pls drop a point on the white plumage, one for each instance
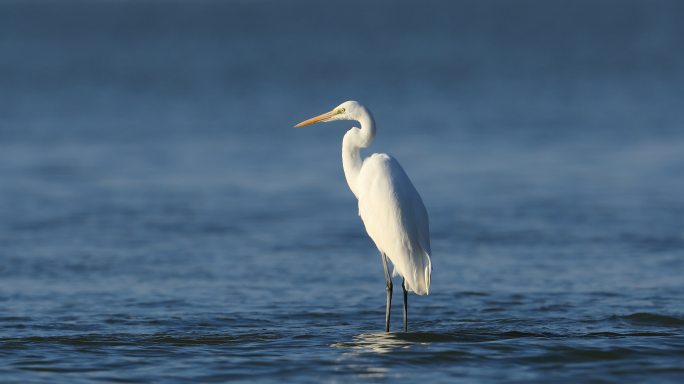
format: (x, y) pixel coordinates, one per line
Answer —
(396, 219)
(389, 205)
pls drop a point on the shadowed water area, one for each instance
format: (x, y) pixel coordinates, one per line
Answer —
(161, 221)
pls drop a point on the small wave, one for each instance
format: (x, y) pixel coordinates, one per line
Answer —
(629, 334)
(566, 354)
(137, 340)
(14, 318)
(53, 369)
(653, 319)
(384, 342)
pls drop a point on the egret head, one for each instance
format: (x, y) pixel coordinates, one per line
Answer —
(349, 110)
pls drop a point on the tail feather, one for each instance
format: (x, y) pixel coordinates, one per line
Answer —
(419, 281)
(417, 276)
(428, 274)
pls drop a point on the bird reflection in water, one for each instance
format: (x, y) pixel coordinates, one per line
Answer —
(381, 342)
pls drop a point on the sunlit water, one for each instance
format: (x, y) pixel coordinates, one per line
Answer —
(161, 221)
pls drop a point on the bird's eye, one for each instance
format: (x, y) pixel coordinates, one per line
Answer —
(341, 110)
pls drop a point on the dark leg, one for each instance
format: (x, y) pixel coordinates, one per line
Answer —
(403, 287)
(388, 280)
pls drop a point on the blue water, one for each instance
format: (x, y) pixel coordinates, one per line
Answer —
(160, 220)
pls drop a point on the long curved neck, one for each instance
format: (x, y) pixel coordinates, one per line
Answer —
(353, 141)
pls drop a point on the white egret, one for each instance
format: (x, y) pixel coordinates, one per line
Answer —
(389, 205)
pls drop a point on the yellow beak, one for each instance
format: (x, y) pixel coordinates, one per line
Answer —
(317, 119)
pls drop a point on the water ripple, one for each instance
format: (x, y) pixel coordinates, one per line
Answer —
(652, 319)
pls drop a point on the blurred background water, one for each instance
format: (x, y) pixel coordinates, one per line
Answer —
(160, 220)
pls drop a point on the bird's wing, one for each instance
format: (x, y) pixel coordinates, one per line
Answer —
(396, 219)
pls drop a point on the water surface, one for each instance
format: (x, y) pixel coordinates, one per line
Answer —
(160, 221)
